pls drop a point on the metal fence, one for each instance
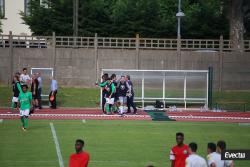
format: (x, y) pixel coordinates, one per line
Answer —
(19, 41)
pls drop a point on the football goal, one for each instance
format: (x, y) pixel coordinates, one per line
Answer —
(46, 74)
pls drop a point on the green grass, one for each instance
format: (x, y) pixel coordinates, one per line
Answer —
(111, 143)
(89, 97)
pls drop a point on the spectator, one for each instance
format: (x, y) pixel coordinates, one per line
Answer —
(80, 158)
(15, 92)
(34, 90)
(179, 153)
(53, 92)
(221, 146)
(39, 78)
(213, 158)
(24, 77)
(130, 95)
(194, 160)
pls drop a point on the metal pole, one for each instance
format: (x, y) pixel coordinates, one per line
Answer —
(101, 91)
(142, 92)
(210, 87)
(163, 89)
(75, 17)
(179, 28)
(179, 21)
(179, 6)
(11, 56)
(185, 90)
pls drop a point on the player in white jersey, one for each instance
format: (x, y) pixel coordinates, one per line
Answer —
(193, 159)
(221, 146)
(214, 158)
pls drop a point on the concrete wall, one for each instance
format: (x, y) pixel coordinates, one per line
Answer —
(80, 67)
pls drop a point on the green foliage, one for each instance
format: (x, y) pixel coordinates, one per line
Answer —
(57, 17)
(149, 18)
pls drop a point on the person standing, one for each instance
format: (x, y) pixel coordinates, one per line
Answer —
(213, 158)
(122, 91)
(80, 158)
(53, 92)
(110, 96)
(221, 146)
(104, 92)
(25, 102)
(39, 78)
(34, 91)
(115, 106)
(24, 77)
(193, 159)
(179, 152)
(14, 103)
(130, 95)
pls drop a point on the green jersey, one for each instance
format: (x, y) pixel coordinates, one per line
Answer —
(24, 98)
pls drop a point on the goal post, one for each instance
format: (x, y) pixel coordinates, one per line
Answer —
(46, 74)
(182, 87)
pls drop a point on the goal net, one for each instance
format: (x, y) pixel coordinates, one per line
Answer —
(171, 87)
(46, 74)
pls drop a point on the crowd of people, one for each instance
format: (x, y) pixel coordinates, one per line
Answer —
(117, 94)
(28, 101)
(183, 155)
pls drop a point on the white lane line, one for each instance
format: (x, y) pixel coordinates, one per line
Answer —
(132, 116)
(209, 117)
(58, 151)
(78, 115)
(244, 124)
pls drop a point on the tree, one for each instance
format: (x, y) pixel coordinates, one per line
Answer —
(149, 18)
(239, 11)
(57, 17)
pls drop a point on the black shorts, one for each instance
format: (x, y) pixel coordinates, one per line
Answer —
(35, 96)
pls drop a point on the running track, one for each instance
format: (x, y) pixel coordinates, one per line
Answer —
(96, 114)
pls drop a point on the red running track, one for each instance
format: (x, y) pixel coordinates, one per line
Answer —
(96, 114)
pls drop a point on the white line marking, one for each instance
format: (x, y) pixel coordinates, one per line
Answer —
(83, 121)
(132, 116)
(78, 115)
(244, 124)
(58, 151)
(1, 120)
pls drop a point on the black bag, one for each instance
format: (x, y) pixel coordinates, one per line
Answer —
(159, 104)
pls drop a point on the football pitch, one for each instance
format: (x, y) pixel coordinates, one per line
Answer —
(111, 143)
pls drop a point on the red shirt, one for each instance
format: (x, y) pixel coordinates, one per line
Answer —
(179, 155)
(79, 160)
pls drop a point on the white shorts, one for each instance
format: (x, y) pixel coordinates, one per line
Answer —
(110, 100)
(25, 112)
(123, 100)
(14, 99)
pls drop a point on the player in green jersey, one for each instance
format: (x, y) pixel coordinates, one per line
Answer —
(25, 102)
